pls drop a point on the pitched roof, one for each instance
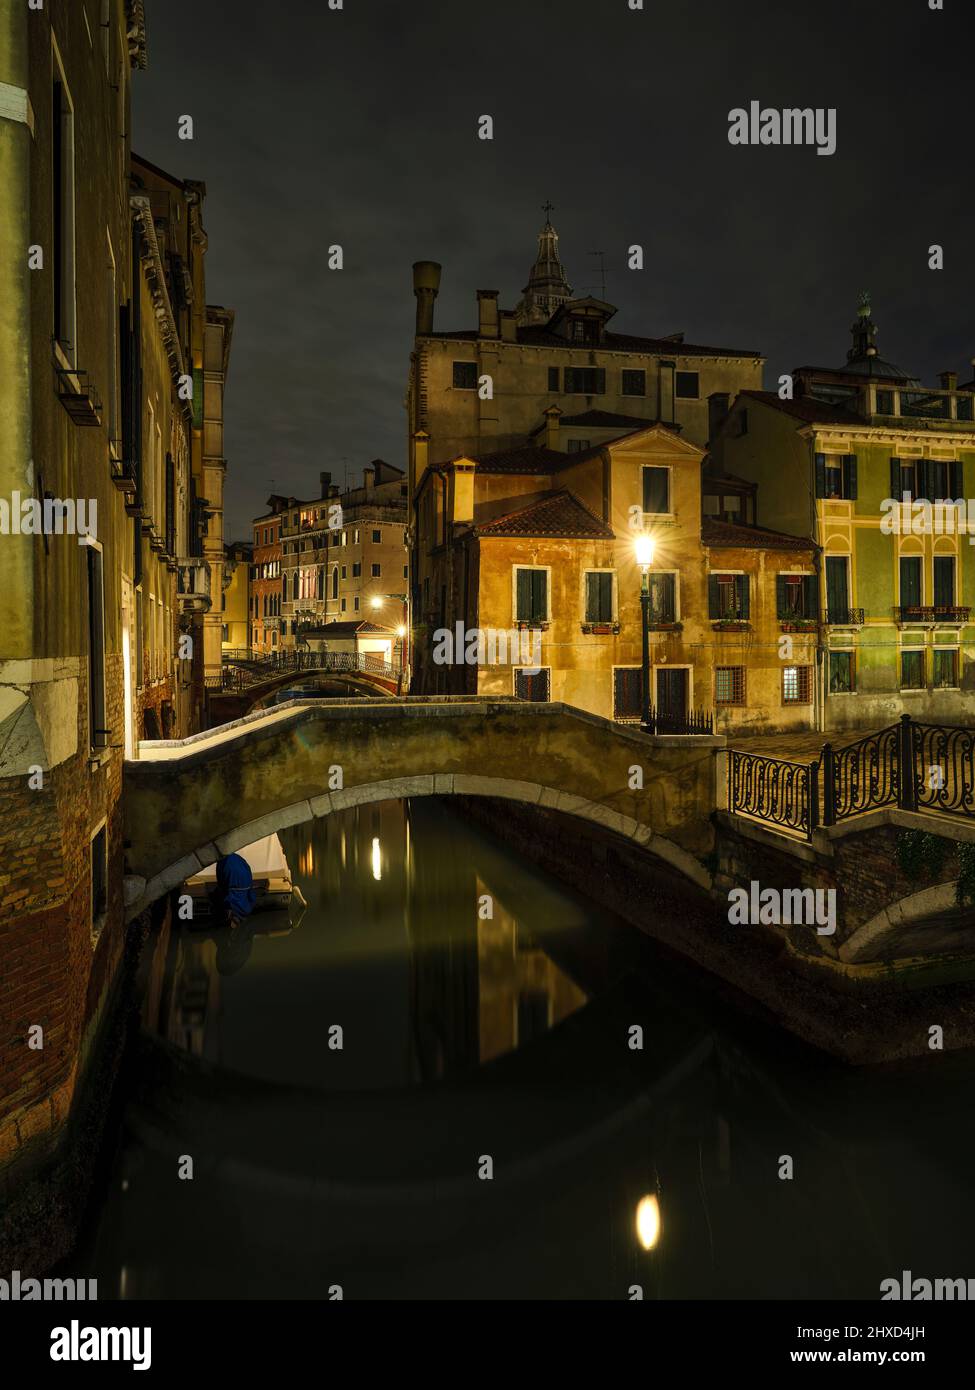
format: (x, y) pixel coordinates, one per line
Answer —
(807, 408)
(732, 535)
(606, 419)
(556, 514)
(350, 628)
(527, 459)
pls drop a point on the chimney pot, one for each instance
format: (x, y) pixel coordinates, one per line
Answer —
(949, 381)
(426, 287)
(488, 325)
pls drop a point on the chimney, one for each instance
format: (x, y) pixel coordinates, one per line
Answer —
(949, 381)
(487, 314)
(552, 417)
(717, 412)
(368, 474)
(426, 286)
(509, 326)
(421, 445)
(325, 480)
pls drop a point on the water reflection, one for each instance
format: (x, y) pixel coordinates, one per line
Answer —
(485, 1012)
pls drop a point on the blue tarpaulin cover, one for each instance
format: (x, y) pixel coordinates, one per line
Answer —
(236, 885)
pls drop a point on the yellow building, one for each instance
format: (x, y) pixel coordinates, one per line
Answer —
(234, 597)
(528, 584)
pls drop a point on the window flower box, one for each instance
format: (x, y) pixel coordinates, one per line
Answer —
(731, 625)
(531, 626)
(798, 624)
(671, 626)
(601, 629)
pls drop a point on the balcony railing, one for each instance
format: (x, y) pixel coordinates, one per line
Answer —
(931, 615)
(844, 617)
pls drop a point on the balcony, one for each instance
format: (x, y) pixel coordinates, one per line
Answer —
(918, 615)
(77, 394)
(193, 585)
(123, 476)
(844, 617)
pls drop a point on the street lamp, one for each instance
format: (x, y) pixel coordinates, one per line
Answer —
(402, 631)
(643, 548)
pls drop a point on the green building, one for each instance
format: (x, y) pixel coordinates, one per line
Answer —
(877, 470)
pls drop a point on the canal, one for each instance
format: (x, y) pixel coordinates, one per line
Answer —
(449, 1077)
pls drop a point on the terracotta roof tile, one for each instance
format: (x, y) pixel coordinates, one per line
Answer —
(806, 408)
(730, 534)
(556, 514)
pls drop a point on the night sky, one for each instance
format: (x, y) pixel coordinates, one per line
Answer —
(358, 127)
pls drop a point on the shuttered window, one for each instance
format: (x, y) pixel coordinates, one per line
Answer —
(531, 596)
(627, 692)
(728, 597)
(599, 596)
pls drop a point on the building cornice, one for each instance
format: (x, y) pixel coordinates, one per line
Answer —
(880, 434)
(162, 306)
(135, 27)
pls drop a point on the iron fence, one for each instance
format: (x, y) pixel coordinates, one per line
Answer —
(683, 722)
(781, 793)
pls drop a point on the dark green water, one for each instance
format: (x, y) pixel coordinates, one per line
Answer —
(486, 1018)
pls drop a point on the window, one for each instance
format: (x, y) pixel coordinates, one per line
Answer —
(945, 668)
(98, 734)
(531, 595)
(465, 376)
(728, 597)
(553, 378)
(406, 571)
(910, 575)
(533, 685)
(294, 585)
(885, 402)
(578, 446)
(729, 685)
(345, 571)
(841, 673)
(797, 685)
(627, 693)
(656, 491)
(343, 605)
(111, 366)
(585, 381)
(944, 581)
(377, 571)
(634, 383)
(935, 480)
(63, 184)
(836, 476)
(837, 589)
(663, 598)
(584, 330)
(356, 570)
(686, 386)
(795, 597)
(335, 582)
(99, 877)
(912, 670)
(599, 596)
(355, 603)
(377, 537)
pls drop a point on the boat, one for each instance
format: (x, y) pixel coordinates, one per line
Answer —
(274, 888)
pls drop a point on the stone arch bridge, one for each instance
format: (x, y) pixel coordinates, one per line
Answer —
(191, 801)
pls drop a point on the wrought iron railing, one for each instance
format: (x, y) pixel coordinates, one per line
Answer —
(774, 790)
(913, 766)
(844, 617)
(862, 776)
(686, 722)
(928, 613)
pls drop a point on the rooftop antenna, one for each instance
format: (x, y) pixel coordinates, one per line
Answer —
(602, 269)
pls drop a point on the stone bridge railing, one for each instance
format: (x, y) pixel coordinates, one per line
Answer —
(189, 802)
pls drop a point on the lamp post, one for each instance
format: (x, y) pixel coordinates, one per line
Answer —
(643, 548)
(402, 632)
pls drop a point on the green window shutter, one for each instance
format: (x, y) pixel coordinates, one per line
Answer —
(820, 475)
(605, 608)
(956, 472)
(741, 584)
(780, 600)
(895, 479)
(810, 595)
(713, 611)
(924, 480)
(850, 477)
(539, 608)
(523, 596)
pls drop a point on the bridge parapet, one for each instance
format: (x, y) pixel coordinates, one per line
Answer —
(193, 800)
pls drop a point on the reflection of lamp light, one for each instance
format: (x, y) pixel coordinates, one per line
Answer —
(377, 859)
(648, 1222)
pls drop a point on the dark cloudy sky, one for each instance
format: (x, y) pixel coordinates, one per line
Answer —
(358, 127)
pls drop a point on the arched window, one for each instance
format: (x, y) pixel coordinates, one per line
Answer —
(335, 582)
(294, 585)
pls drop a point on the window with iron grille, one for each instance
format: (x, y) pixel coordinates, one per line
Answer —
(465, 376)
(599, 596)
(797, 685)
(627, 692)
(533, 685)
(729, 685)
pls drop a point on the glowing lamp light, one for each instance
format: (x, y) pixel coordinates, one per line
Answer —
(401, 631)
(377, 860)
(648, 1222)
(643, 546)
(376, 602)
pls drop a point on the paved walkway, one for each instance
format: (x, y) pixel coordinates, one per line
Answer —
(799, 747)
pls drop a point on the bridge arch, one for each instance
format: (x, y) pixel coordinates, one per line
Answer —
(195, 800)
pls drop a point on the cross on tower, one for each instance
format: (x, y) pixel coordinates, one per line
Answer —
(548, 208)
